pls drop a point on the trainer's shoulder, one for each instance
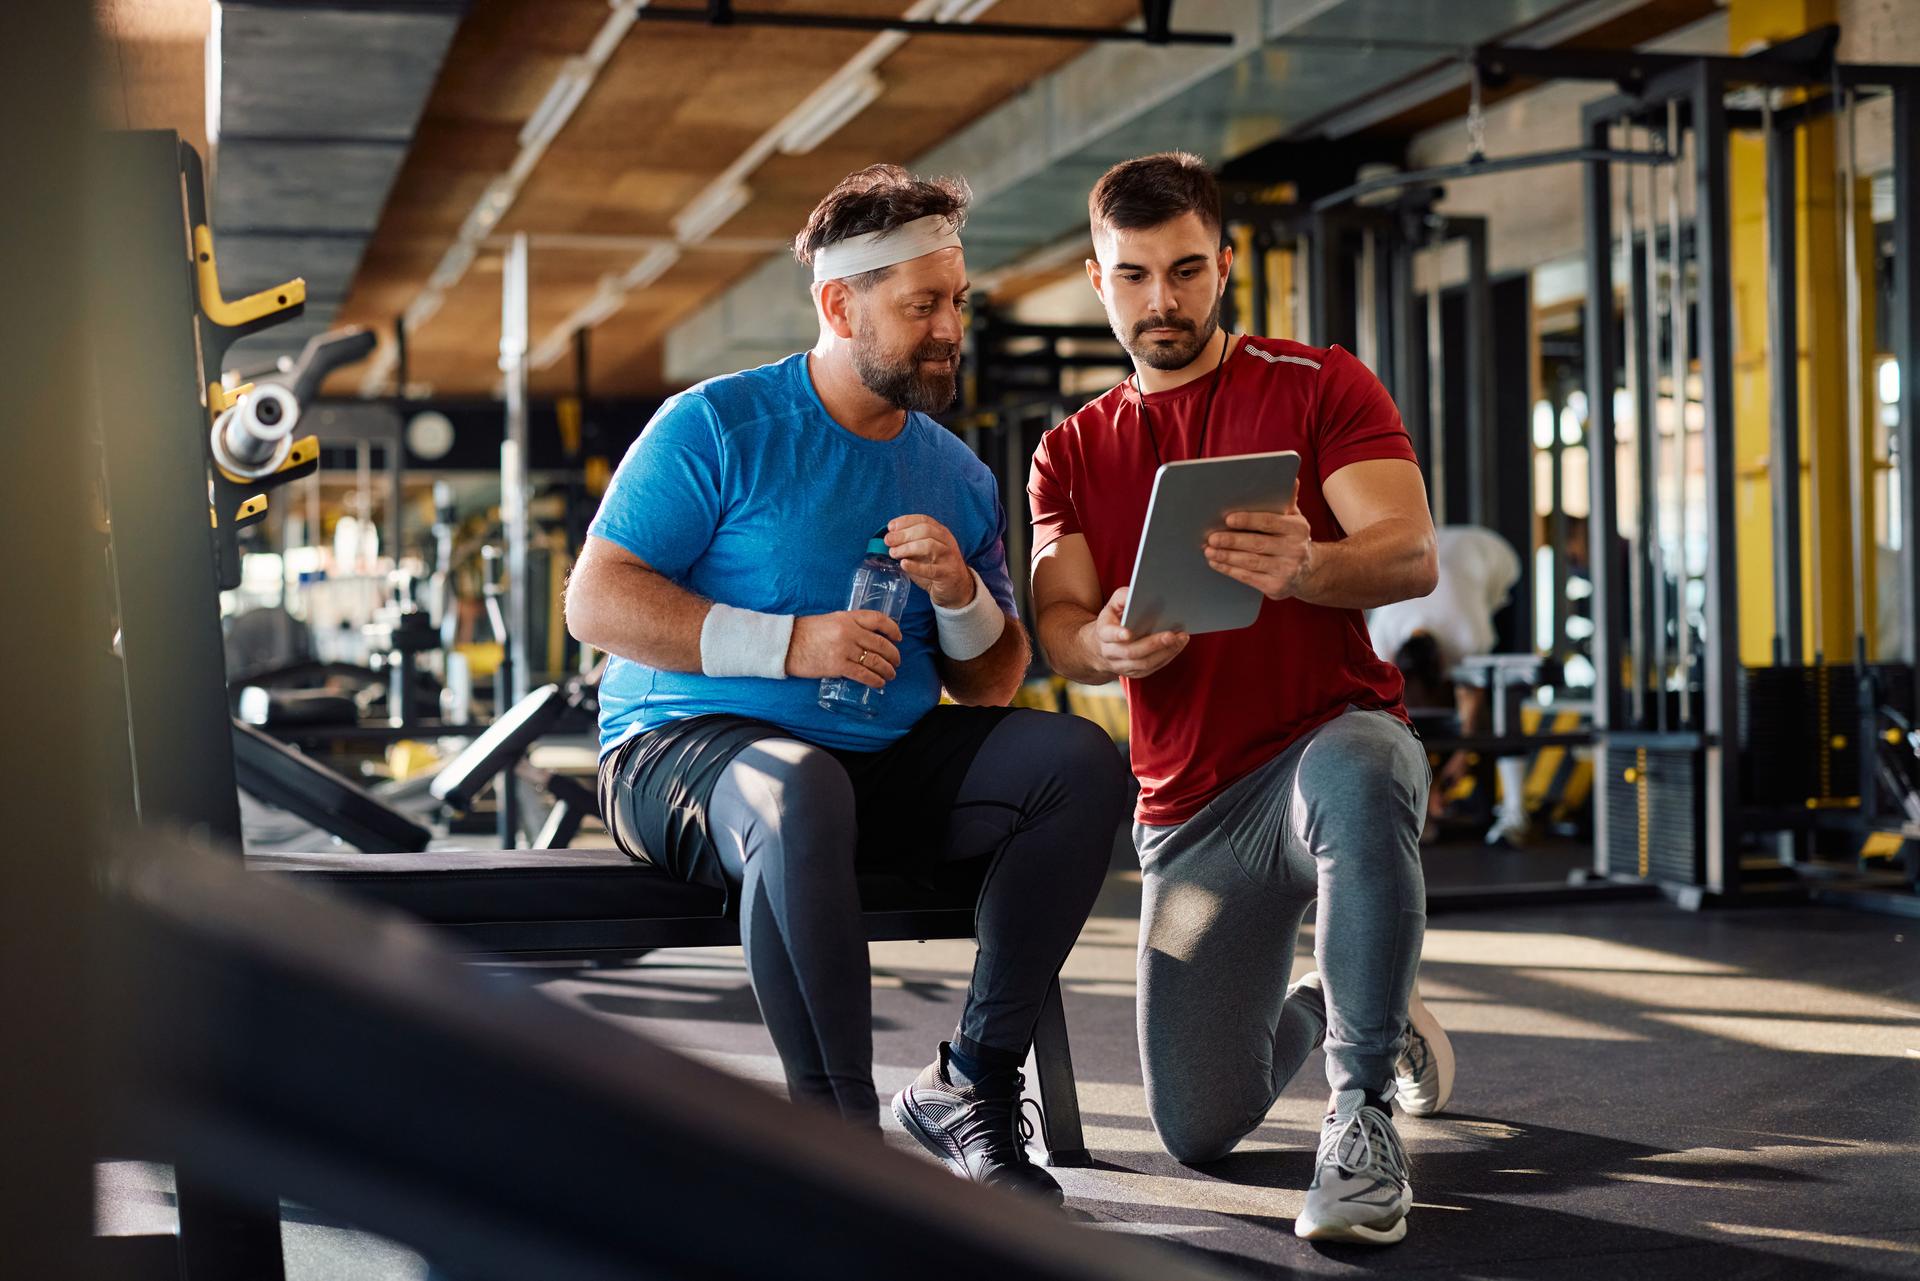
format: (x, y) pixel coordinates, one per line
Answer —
(1287, 358)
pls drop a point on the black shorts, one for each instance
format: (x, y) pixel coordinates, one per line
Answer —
(655, 788)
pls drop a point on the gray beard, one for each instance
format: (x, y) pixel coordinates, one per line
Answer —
(906, 386)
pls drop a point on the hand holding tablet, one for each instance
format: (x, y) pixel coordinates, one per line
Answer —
(1199, 571)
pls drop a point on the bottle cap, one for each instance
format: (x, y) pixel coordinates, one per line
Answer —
(877, 545)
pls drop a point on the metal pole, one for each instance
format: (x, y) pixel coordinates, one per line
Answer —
(1905, 327)
(1384, 343)
(1483, 496)
(1857, 475)
(402, 371)
(1635, 380)
(1303, 288)
(1366, 321)
(1783, 342)
(513, 463)
(396, 449)
(1720, 769)
(1603, 525)
(1410, 365)
(362, 499)
(1677, 281)
(1436, 382)
(1557, 522)
(1650, 479)
(1262, 279)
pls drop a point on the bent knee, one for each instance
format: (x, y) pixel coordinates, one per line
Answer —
(1192, 1139)
(1079, 753)
(1368, 758)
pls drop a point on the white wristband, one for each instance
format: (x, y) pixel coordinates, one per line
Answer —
(740, 642)
(972, 629)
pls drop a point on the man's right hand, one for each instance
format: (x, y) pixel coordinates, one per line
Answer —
(858, 644)
(1120, 652)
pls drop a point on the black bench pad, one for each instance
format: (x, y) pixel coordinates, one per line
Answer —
(561, 896)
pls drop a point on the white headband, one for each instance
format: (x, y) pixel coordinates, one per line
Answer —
(877, 249)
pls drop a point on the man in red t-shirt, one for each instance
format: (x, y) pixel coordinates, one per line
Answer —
(1276, 764)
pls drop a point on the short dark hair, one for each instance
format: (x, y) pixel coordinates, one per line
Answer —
(1151, 190)
(878, 198)
(1419, 661)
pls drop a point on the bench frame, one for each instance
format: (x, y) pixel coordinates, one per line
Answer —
(608, 938)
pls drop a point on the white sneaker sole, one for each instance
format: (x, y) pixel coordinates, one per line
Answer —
(1440, 1048)
(1358, 1233)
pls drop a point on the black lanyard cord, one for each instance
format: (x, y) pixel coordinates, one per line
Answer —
(1206, 412)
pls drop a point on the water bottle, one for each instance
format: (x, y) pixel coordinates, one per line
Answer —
(878, 584)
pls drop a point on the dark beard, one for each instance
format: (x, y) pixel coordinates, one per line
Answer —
(1168, 354)
(909, 384)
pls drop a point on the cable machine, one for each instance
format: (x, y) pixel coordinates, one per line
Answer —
(1705, 763)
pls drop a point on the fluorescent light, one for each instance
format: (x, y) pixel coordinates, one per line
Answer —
(214, 24)
(964, 10)
(653, 265)
(422, 309)
(563, 95)
(613, 29)
(710, 211)
(827, 112)
(453, 265)
(603, 306)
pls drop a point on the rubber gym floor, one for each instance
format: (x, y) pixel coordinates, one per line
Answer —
(1643, 1092)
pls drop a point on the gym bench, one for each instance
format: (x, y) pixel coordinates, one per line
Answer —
(589, 903)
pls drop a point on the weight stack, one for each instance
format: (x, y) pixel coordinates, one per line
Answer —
(1654, 799)
(1800, 732)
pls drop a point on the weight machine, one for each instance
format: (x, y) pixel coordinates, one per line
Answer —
(1705, 763)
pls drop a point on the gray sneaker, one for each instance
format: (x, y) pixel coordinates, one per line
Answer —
(1423, 1076)
(1360, 1190)
(979, 1131)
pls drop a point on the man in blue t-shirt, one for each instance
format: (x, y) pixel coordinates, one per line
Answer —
(717, 575)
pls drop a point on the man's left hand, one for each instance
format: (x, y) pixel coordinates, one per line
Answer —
(930, 556)
(1270, 551)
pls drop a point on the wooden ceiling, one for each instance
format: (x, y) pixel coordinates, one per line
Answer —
(675, 105)
(149, 67)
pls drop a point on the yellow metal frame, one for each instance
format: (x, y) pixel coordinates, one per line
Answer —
(240, 311)
(220, 400)
(1827, 488)
(304, 453)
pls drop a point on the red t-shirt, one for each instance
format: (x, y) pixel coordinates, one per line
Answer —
(1232, 700)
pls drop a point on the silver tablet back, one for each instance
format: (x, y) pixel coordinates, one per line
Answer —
(1173, 586)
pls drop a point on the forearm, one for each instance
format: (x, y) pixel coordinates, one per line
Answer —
(638, 615)
(1066, 638)
(992, 678)
(1389, 560)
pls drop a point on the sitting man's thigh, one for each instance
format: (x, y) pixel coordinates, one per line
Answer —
(784, 785)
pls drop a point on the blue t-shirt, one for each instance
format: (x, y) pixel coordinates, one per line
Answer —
(743, 490)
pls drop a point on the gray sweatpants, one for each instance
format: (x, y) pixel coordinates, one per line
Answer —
(1334, 819)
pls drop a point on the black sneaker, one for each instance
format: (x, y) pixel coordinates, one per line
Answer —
(978, 1129)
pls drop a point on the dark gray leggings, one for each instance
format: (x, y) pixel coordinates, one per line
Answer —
(1042, 799)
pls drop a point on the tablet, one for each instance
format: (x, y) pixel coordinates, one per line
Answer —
(1173, 587)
